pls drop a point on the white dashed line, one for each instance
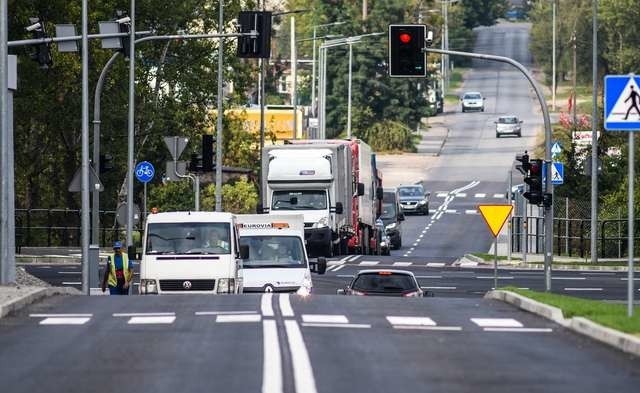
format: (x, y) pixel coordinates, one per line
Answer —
(520, 330)
(204, 313)
(64, 321)
(491, 277)
(442, 195)
(60, 315)
(271, 363)
(324, 318)
(71, 283)
(480, 195)
(569, 278)
(369, 263)
(265, 305)
(439, 287)
(238, 318)
(411, 321)
(499, 195)
(339, 267)
(435, 264)
(151, 320)
(461, 195)
(471, 212)
(143, 314)
(337, 325)
(441, 328)
(428, 276)
(496, 322)
(402, 263)
(285, 305)
(583, 289)
(450, 211)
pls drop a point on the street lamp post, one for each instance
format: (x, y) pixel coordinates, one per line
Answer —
(313, 70)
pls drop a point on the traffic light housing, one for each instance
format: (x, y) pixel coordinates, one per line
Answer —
(533, 179)
(195, 164)
(125, 42)
(207, 153)
(42, 53)
(406, 55)
(255, 47)
(524, 165)
(106, 163)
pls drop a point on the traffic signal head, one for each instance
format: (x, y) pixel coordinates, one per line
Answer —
(406, 56)
(524, 165)
(255, 47)
(42, 53)
(124, 24)
(195, 164)
(207, 153)
(106, 163)
(534, 179)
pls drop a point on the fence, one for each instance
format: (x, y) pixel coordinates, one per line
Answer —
(59, 228)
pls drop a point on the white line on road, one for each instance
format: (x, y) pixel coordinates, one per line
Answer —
(143, 314)
(324, 318)
(411, 321)
(598, 274)
(428, 276)
(302, 371)
(435, 264)
(285, 305)
(569, 278)
(520, 330)
(461, 195)
(151, 320)
(480, 195)
(442, 194)
(204, 313)
(499, 195)
(439, 287)
(339, 267)
(450, 211)
(238, 318)
(444, 328)
(415, 244)
(354, 258)
(402, 263)
(369, 263)
(583, 289)
(345, 275)
(69, 272)
(71, 283)
(491, 277)
(496, 322)
(626, 279)
(471, 211)
(338, 325)
(64, 321)
(271, 359)
(265, 305)
(60, 315)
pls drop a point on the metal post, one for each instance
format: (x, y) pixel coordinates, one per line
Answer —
(313, 75)
(566, 228)
(220, 112)
(574, 108)
(10, 254)
(8, 269)
(446, 45)
(631, 222)
(594, 140)
(196, 191)
(85, 219)
(509, 225)
(495, 263)
(525, 230)
(349, 92)
(144, 203)
(553, 56)
(95, 206)
(294, 77)
(131, 128)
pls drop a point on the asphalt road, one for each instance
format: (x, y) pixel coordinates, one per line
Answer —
(281, 343)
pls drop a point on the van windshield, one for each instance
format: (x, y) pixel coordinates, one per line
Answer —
(274, 252)
(299, 200)
(188, 238)
(388, 210)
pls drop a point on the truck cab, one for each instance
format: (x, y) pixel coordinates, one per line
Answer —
(191, 252)
(276, 260)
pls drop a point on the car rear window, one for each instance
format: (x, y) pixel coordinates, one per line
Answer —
(383, 282)
(472, 96)
(508, 120)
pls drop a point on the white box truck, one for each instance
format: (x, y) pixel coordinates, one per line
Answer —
(191, 252)
(276, 260)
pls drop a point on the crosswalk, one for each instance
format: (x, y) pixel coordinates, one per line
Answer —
(479, 195)
(334, 266)
(341, 321)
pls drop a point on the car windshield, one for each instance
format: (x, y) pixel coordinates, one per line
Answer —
(383, 282)
(410, 192)
(188, 238)
(274, 252)
(388, 210)
(299, 200)
(508, 120)
(473, 96)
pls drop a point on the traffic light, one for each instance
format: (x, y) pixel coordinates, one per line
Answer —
(124, 24)
(42, 53)
(406, 56)
(207, 153)
(534, 179)
(195, 164)
(106, 163)
(525, 165)
(255, 47)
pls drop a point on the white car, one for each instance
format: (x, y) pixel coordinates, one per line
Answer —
(508, 125)
(472, 101)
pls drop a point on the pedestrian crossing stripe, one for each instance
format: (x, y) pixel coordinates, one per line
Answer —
(621, 102)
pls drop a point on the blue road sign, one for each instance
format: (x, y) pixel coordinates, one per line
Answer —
(557, 173)
(145, 171)
(556, 149)
(621, 103)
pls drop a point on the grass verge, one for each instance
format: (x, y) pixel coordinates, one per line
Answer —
(604, 313)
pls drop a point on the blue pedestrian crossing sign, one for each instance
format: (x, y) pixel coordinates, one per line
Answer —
(557, 173)
(621, 103)
(144, 171)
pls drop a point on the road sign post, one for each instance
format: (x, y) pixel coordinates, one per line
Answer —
(495, 216)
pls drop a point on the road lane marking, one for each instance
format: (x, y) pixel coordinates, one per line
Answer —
(435, 264)
(324, 318)
(345, 275)
(353, 258)
(480, 195)
(271, 358)
(442, 194)
(491, 277)
(60, 315)
(337, 325)
(415, 244)
(499, 195)
(439, 287)
(302, 372)
(520, 330)
(428, 276)
(473, 211)
(568, 278)
(402, 263)
(265, 305)
(598, 274)
(443, 328)
(583, 289)
(411, 321)
(450, 211)
(339, 267)
(143, 314)
(226, 318)
(496, 322)
(285, 305)
(627, 279)
(461, 195)
(369, 263)
(64, 321)
(69, 272)
(151, 320)
(204, 313)
(71, 283)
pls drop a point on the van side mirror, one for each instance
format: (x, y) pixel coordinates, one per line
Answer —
(319, 266)
(339, 208)
(400, 216)
(360, 189)
(379, 193)
(131, 253)
(244, 251)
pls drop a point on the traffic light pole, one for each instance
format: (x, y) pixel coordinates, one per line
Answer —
(548, 212)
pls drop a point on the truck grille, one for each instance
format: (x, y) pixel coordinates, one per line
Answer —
(187, 285)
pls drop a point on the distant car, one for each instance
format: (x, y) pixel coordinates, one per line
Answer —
(508, 125)
(472, 101)
(414, 199)
(378, 282)
(392, 217)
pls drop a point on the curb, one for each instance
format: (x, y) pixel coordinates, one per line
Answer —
(622, 341)
(33, 295)
(443, 142)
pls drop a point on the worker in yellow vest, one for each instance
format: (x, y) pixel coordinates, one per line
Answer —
(118, 273)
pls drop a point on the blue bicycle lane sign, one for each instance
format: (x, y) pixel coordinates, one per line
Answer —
(144, 171)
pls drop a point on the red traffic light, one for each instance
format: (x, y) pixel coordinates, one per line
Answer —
(405, 38)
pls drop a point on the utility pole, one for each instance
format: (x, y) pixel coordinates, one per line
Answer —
(85, 219)
(553, 55)
(594, 140)
(220, 112)
(294, 77)
(575, 81)
(131, 128)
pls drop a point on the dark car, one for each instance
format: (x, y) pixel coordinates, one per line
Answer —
(376, 282)
(414, 199)
(392, 217)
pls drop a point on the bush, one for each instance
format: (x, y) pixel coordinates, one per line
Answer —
(388, 136)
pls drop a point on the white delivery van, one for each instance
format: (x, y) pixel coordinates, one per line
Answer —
(191, 252)
(277, 260)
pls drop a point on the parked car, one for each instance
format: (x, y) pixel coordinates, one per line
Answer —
(376, 282)
(508, 125)
(413, 199)
(472, 101)
(392, 217)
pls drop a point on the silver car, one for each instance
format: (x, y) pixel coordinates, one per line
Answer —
(472, 101)
(508, 125)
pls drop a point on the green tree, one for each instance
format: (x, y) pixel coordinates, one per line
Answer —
(483, 12)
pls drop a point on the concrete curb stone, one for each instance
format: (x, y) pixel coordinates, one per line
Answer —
(622, 341)
(25, 296)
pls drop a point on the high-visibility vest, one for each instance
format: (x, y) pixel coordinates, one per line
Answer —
(113, 280)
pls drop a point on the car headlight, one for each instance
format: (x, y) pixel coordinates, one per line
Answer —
(226, 285)
(422, 202)
(305, 288)
(148, 287)
(322, 223)
(393, 225)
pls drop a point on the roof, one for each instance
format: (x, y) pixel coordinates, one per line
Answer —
(395, 271)
(189, 216)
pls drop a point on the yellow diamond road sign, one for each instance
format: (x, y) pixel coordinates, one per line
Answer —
(495, 216)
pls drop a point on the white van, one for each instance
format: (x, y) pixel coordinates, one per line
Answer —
(191, 252)
(277, 260)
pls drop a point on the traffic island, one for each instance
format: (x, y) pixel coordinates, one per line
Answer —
(601, 321)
